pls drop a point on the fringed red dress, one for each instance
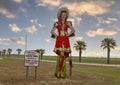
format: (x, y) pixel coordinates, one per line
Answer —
(62, 40)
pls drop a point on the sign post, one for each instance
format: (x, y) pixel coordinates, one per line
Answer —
(31, 60)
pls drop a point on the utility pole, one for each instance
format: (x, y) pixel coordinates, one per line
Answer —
(26, 42)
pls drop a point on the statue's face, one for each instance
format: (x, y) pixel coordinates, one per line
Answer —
(63, 15)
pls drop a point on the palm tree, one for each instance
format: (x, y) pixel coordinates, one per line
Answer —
(3, 51)
(19, 51)
(0, 52)
(80, 45)
(108, 43)
(9, 51)
(41, 52)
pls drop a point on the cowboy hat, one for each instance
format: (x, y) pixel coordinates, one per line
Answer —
(63, 9)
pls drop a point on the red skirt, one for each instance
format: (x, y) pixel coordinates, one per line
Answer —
(62, 44)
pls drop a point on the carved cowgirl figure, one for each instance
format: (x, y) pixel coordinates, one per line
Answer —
(62, 45)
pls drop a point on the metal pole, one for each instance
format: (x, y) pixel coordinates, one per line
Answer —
(35, 72)
(26, 42)
(27, 70)
(70, 64)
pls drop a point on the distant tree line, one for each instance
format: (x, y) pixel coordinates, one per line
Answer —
(8, 52)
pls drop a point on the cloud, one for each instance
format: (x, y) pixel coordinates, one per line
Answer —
(20, 40)
(92, 8)
(48, 40)
(6, 11)
(78, 38)
(117, 48)
(100, 31)
(4, 39)
(17, 1)
(41, 26)
(24, 10)
(96, 53)
(78, 20)
(75, 20)
(72, 20)
(109, 20)
(14, 28)
(32, 29)
(35, 21)
(113, 19)
(51, 3)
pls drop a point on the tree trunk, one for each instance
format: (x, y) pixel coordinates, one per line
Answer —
(108, 56)
(80, 52)
(9, 53)
(41, 56)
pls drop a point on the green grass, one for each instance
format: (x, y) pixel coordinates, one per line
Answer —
(76, 59)
(87, 59)
(108, 72)
(115, 72)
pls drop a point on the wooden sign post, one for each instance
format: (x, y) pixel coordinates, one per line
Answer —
(31, 60)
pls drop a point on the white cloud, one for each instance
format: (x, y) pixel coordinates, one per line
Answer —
(75, 20)
(41, 26)
(72, 20)
(113, 19)
(35, 21)
(32, 29)
(91, 7)
(48, 40)
(17, 1)
(96, 53)
(4, 39)
(100, 31)
(6, 11)
(117, 48)
(78, 20)
(23, 9)
(14, 28)
(51, 3)
(109, 20)
(20, 41)
(91, 33)
(78, 38)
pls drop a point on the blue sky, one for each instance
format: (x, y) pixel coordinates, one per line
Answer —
(93, 21)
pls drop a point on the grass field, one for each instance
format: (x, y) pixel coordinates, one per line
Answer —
(76, 59)
(87, 59)
(13, 72)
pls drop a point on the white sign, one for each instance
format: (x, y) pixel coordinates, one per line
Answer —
(31, 58)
